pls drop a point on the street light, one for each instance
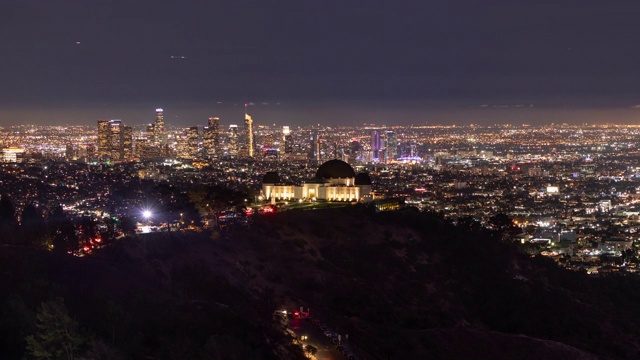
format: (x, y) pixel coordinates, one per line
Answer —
(146, 214)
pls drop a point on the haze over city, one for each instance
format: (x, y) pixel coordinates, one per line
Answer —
(328, 62)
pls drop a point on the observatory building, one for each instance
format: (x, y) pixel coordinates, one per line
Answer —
(335, 180)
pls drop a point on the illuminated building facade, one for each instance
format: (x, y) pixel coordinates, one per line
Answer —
(286, 147)
(12, 155)
(115, 140)
(192, 143)
(103, 137)
(391, 145)
(211, 138)
(232, 149)
(127, 142)
(150, 134)
(377, 146)
(247, 148)
(159, 133)
(314, 152)
(335, 180)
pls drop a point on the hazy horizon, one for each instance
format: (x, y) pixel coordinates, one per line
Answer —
(355, 114)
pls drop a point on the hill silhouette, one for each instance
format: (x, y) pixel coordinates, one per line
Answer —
(403, 285)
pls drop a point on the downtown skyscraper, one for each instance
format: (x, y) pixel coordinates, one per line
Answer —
(211, 138)
(192, 143)
(391, 145)
(377, 146)
(286, 145)
(232, 146)
(159, 132)
(156, 144)
(115, 140)
(247, 146)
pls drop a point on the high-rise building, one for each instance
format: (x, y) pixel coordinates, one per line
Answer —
(91, 151)
(377, 146)
(139, 146)
(192, 142)
(314, 150)
(286, 147)
(211, 138)
(150, 134)
(268, 142)
(159, 133)
(182, 147)
(103, 137)
(12, 154)
(232, 149)
(392, 145)
(127, 143)
(408, 149)
(208, 149)
(70, 152)
(147, 151)
(116, 152)
(115, 140)
(247, 149)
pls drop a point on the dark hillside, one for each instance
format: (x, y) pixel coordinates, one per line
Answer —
(403, 285)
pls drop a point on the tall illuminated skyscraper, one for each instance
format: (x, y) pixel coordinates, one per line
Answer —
(103, 138)
(247, 149)
(314, 150)
(286, 146)
(211, 138)
(150, 134)
(391, 145)
(192, 142)
(115, 140)
(377, 146)
(127, 143)
(159, 133)
(70, 152)
(233, 140)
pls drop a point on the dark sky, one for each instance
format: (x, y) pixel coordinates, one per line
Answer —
(320, 61)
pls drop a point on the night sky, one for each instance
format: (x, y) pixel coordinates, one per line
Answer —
(320, 61)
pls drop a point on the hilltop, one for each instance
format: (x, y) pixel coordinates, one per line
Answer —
(403, 285)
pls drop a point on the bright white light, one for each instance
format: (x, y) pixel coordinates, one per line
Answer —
(146, 214)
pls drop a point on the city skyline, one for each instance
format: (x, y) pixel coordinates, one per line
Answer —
(402, 62)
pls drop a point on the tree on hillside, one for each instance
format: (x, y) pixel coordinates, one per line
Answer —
(504, 225)
(7, 209)
(212, 200)
(57, 335)
(108, 235)
(63, 232)
(7, 219)
(470, 223)
(127, 225)
(32, 225)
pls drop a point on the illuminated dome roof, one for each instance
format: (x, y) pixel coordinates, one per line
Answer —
(271, 177)
(363, 179)
(334, 169)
